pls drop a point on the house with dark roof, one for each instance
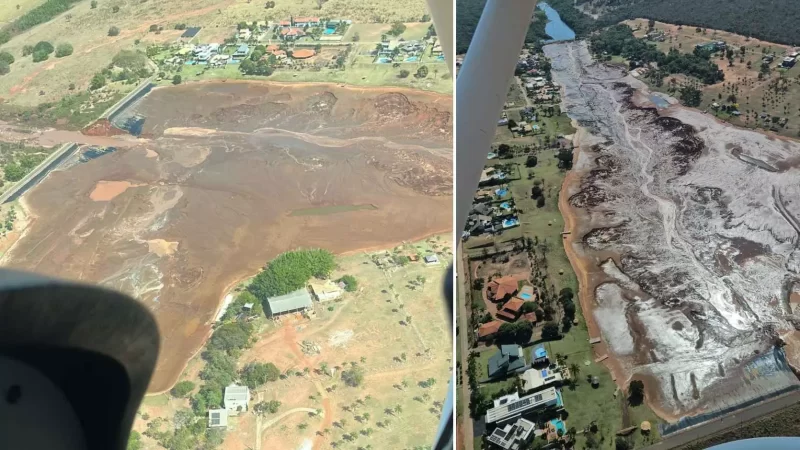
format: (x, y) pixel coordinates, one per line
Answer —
(242, 51)
(501, 289)
(190, 33)
(509, 360)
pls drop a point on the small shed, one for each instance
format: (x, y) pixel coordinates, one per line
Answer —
(236, 399)
(431, 260)
(291, 302)
(217, 418)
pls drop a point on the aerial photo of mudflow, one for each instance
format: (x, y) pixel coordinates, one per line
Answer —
(273, 181)
(682, 231)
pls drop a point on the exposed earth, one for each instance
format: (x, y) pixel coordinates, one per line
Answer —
(203, 198)
(686, 234)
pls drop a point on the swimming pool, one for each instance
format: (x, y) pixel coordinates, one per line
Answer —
(508, 223)
(559, 425)
(412, 59)
(505, 205)
(525, 296)
(501, 192)
(440, 58)
(329, 31)
(383, 60)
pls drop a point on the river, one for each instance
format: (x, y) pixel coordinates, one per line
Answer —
(556, 28)
(687, 245)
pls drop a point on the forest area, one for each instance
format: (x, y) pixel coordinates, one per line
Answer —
(36, 16)
(468, 13)
(773, 21)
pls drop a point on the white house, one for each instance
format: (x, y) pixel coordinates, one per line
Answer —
(236, 399)
(245, 34)
(217, 418)
(431, 260)
(326, 291)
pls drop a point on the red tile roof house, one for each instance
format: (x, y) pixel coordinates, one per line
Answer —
(511, 310)
(501, 289)
(487, 330)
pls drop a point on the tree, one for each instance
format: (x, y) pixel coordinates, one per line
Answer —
(404, 73)
(206, 398)
(350, 283)
(621, 444)
(4, 68)
(257, 374)
(93, 4)
(115, 9)
(356, 37)
(574, 370)
(531, 161)
(182, 389)
(550, 331)
(397, 29)
(43, 46)
(231, 337)
(63, 50)
(291, 271)
(113, 31)
(134, 441)
(27, 50)
(422, 72)
(177, 79)
(636, 392)
(354, 376)
(40, 56)
(691, 96)
(536, 191)
(540, 202)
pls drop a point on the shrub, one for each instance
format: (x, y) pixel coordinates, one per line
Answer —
(531, 161)
(113, 31)
(397, 29)
(404, 73)
(182, 389)
(7, 58)
(540, 202)
(115, 9)
(177, 79)
(350, 283)
(4, 68)
(27, 50)
(93, 5)
(422, 72)
(180, 26)
(98, 81)
(40, 56)
(153, 28)
(63, 50)
(256, 374)
(353, 377)
(43, 46)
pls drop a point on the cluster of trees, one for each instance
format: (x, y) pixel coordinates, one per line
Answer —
(41, 14)
(291, 271)
(261, 67)
(565, 156)
(236, 307)
(774, 21)
(691, 96)
(397, 29)
(537, 193)
(619, 40)
(468, 12)
(15, 170)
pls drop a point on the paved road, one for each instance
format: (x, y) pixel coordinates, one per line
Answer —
(463, 342)
(730, 421)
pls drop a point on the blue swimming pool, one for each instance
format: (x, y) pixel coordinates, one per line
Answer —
(505, 205)
(412, 59)
(501, 192)
(440, 58)
(508, 223)
(329, 31)
(525, 296)
(384, 60)
(559, 425)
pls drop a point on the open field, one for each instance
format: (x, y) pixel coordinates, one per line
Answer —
(203, 199)
(14, 9)
(364, 327)
(777, 94)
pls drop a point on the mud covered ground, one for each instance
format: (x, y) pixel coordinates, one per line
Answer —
(689, 230)
(203, 199)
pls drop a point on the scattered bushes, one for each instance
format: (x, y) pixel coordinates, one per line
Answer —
(43, 46)
(97, 82)
(4, 68)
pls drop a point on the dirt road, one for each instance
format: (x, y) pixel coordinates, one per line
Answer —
(465, 431)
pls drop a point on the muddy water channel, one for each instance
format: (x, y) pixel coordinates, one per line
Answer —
(689, 243)
(205, 196)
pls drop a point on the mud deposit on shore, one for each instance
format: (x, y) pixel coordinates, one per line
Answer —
(214, 205)
(689, 237)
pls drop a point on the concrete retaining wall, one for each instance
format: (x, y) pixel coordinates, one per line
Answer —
(37, 174)
(136, 94)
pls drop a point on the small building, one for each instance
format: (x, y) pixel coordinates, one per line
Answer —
(535, 379)
(292, 33)
(218, 418)
(489, 329)
(245, 34)
(788, 62)
(431, 260)
(325, 291)
(236, 399)
(509, 360)
(303, 53)
(296, 301)
(248, 306)
(501, 289)
(530, 405)
(242, 51)
(514, 436)
(306, 21)
(540, 355)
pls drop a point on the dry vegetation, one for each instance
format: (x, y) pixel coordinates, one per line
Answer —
(393, 327)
